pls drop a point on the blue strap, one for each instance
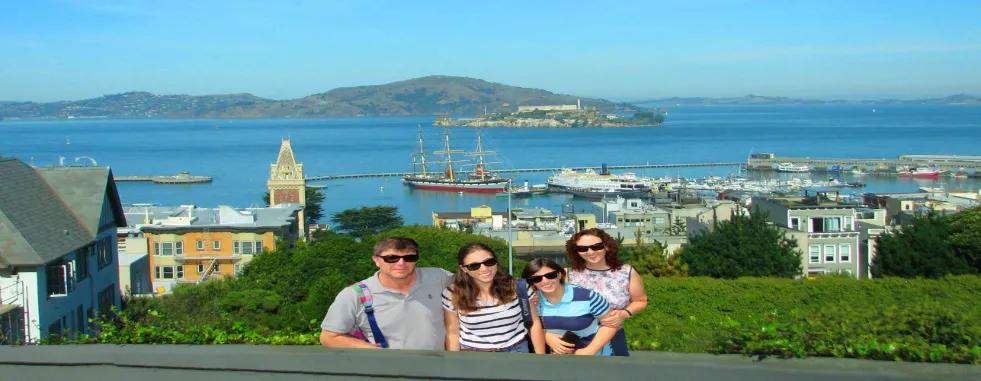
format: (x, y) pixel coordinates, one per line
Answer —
(365, 296)
(524, 303)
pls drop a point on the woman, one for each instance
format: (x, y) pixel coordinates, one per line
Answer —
(596, 266)
(481, 307)
(569, 311)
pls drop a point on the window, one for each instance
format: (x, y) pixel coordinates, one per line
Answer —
(164, 272)
(82, 262)
(180, 272)
(69, 276)
(795, 223)
(200, 245)
(829, 253)
(166, 248)
(848, 224)
(259, 248)
(105, 252)
(55, 328)
(107, 300)
(659, 220)
(200, 268)
(179, 248)
(237, 269)
(216, 244)
(56, 278)
(844, 253)
(217, 268)
(814, 252)
(246, 247)
(236, 247)
(825, 224)
(156, 248)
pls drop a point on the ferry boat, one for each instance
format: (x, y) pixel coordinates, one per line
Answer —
(789, 167)
(592, 184)
(478, 180)
(920, 173)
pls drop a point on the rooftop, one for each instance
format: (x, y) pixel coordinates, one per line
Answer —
(143, 217)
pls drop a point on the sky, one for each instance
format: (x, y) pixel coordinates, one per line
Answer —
(621, 50)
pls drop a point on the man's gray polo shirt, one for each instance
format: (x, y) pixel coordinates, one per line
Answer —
(408, 321)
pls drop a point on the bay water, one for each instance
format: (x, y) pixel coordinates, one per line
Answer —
(237, 153)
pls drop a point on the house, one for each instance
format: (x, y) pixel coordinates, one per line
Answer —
(189, 244)
(824, 229)
(58, 253)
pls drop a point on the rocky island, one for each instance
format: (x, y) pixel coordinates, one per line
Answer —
(554, 116)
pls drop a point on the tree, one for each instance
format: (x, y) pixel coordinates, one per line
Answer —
(366, 221)
(678, 227)
(314, 208)
(651, 259)
(922, 247)
(965, 236)
(743, 246)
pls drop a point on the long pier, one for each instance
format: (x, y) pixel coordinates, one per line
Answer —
(969, 166)
(526, 170)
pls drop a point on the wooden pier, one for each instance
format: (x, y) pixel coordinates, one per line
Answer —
(525, 170)
(180, 178)
(965, 165)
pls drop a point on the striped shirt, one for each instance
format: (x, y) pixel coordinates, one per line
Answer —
(577, 312)
(491, 326)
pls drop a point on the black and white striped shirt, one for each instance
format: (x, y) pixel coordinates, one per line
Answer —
(491, 326)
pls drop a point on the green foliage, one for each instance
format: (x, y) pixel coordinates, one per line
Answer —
(366, 221)
(743, 246)
(647, 117)
(926, 320)
(930, 246)
(651, 259)
(678, 227)
(314, 208)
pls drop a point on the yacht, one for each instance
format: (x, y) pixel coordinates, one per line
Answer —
(789, 167)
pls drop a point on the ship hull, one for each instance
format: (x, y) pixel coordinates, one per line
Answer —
(488, 186)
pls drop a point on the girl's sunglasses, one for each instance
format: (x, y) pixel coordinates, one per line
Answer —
(595, 247)
(538, 278)
(411, 258)
(490, 262)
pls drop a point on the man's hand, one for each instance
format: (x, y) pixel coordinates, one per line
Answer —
(614, 319)
(558, 346)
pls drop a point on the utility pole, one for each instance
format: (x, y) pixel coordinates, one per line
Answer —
(510, 245)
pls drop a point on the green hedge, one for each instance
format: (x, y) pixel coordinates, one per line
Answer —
(885, 319)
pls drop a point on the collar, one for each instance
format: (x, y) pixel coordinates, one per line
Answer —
(566, 295)
(375, 286)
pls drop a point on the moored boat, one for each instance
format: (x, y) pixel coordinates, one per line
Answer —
(794, 168)
(479, 180)
(920, 173)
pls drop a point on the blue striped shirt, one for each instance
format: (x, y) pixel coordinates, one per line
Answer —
(577, 312)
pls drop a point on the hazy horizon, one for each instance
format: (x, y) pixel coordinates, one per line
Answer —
(625, 51)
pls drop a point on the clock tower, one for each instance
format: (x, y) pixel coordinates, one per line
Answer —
(286, 183)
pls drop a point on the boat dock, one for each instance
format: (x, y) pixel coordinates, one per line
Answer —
(966, 165)
(180, 178)
(525, 170)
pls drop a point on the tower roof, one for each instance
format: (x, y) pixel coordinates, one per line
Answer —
(286, 167)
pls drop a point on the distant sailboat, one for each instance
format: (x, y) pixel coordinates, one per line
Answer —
(68, 140)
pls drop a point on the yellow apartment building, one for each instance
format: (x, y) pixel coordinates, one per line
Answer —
(187, 244)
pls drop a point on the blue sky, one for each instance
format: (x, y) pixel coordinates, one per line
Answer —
(624, 50)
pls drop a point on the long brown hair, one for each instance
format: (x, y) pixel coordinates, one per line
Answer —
(612, 248)
(464, 289)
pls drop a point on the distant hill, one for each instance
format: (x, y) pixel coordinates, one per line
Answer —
(765, 100)
(433, 95)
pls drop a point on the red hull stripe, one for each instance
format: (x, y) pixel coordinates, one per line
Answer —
(460, 189)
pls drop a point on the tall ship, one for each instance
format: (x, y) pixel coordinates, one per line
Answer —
(477, 178)
(590, 184)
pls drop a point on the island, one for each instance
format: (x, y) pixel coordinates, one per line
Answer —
(554, 116)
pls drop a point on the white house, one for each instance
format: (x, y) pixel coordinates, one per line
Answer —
(58, 255)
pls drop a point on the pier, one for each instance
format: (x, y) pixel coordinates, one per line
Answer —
(526, 170)
(965, 165)
(180, 178)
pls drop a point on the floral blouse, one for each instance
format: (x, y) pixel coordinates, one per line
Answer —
(613, 285)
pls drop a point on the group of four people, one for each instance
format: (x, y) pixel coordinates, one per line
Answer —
(579, 310)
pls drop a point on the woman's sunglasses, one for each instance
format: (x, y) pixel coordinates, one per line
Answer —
(538, 278)
(411, 258)
(489, 262)
(595, 247)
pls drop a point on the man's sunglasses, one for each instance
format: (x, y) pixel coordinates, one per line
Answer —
(490, 262)
(411, 258)
(595, 247)
(538, 278)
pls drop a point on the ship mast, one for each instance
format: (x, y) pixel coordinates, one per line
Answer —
(421, 155)
(480, 169)
(450, 174)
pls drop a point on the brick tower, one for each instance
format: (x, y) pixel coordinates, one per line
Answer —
(286, 183)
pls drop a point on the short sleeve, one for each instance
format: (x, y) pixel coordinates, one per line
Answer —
(342, 316)
(448, 300)
(598, 306)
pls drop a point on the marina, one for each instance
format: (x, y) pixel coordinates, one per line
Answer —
(920, 166)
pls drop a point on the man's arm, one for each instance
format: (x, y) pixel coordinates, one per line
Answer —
(342, 318)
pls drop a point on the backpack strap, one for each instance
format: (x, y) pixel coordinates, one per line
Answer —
(524, 303)
(365, 296)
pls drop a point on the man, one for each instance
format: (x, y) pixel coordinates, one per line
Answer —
(406, 301)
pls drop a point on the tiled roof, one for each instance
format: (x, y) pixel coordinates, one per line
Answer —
(46, 213)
